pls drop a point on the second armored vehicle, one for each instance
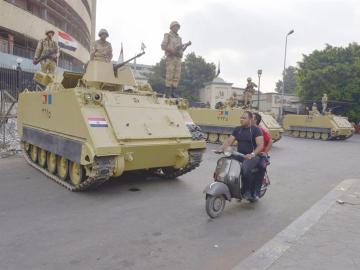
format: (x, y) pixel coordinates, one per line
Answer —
(218, 124)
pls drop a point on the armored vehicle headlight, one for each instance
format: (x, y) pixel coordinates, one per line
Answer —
(97, 96)
(87, 97)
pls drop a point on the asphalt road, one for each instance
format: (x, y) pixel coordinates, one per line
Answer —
(162, 225)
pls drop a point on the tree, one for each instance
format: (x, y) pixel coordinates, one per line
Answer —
(195, 73)
(335, 71)
(290, 82)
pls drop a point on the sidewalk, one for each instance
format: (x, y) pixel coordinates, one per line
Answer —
(327, 236)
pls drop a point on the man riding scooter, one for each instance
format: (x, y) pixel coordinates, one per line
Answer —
(264, 157)
(250, 143)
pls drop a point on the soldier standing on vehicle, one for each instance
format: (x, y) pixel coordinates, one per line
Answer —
(314, 110)
(248, 93)
(46, 53)
(324, 102)
(102, 50)
(174, 50)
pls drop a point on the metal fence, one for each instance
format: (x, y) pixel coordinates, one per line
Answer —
(15, 80)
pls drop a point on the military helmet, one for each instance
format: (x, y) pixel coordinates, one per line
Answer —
(174, 23)
(249, 79)
(103, 31)
(49, 30)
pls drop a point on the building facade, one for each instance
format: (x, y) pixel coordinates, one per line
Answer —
(24, 22)
(219, 91)
(271, 102)
(141, 72)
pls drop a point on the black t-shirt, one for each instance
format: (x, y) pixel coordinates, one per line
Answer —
(246, 138)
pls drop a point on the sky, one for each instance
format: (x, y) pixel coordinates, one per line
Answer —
(243, 35)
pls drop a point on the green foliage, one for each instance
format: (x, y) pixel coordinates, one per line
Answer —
(335, 71)
(290, 82)
(195, 71)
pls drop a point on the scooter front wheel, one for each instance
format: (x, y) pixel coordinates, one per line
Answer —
(215, 205)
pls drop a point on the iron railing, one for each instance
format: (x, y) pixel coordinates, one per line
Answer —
(15, 80)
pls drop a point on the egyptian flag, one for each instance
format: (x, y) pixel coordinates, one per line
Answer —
(67, 42)
(121, 55)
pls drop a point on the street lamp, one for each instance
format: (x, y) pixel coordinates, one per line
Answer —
(283, 88)
(259, 72)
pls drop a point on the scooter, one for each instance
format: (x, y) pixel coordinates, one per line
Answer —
(228, 183)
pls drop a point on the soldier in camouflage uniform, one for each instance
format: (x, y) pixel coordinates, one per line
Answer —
(174, 49)
(101, 50)
(248, 93)
(44, 47)
(324, 102)
(314, 110)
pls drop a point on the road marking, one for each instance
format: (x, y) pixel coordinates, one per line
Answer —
(270, 252)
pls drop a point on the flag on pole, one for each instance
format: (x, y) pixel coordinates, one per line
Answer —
(66, 41)
(218, 70)
(121, 55)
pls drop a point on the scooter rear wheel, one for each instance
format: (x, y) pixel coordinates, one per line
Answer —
(215, 205)
(263, 190)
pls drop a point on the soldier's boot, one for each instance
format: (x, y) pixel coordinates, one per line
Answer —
(173, 92)
(168, 92)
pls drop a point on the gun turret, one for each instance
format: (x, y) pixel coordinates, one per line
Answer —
(117, 66)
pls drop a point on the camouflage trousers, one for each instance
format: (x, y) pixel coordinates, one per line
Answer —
(48, 66)
(173, 71)
(324, 107)
(247, 99)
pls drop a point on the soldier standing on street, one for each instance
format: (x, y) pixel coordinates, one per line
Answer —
(174, 49)
(324, 102)
(101, 50)
(47, 49)
(248, 93)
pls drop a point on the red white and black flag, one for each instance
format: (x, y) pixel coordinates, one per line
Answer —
(66, 41)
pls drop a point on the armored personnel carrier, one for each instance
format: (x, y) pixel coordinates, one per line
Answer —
(318, 126)
(218, 124)
(83, 129)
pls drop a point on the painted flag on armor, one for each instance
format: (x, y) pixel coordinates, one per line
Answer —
(66, 41)
(97, 122)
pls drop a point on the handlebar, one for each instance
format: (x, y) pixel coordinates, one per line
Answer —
(234, 153)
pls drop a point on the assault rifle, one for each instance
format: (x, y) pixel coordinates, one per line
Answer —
(184, 46)
(47, 55)
(180, 49)
(117, 66)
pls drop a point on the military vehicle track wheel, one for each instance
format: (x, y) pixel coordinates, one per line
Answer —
(213, 137)
(51, 162)
(324, 136)
(33, 153)
(302, 134)
(317, 135)
(62, 167)
(296, 133)
(223, 137)
(42, 157)
(77, 173)
(27, 147)
(309, 134)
